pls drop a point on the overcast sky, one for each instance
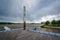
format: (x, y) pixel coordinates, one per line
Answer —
(36, 10)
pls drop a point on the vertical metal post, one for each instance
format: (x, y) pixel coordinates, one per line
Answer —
(24, 17)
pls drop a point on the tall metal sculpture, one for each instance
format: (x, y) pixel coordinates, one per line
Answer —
(24, 17)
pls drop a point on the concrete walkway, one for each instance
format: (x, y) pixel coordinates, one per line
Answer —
(26, 35)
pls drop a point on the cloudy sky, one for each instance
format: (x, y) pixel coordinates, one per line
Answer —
(36, 10)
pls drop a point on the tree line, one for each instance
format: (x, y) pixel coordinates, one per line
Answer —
(53, 23)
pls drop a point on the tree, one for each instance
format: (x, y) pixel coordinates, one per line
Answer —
(47, 23)
(54, 22)
(42, 22)
(58, 23)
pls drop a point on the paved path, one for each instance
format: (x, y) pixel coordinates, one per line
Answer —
(26, 35)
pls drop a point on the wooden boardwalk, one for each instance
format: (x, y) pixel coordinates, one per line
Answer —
(25, 35)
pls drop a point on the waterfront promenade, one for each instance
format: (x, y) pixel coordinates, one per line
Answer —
(26, 35)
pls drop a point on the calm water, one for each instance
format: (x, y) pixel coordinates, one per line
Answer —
(55, 32)
(45, 29)
(32, 28)
(49, 30)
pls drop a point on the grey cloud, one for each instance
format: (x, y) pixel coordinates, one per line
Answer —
(44, 8)
(13, 9)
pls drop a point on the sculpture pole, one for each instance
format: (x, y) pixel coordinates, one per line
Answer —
(24, 17)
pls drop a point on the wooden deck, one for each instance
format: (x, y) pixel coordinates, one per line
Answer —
(26, 35)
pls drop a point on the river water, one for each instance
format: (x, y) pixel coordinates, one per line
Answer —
(55, 32)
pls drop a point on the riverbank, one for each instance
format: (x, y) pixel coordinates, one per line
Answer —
(26, 35)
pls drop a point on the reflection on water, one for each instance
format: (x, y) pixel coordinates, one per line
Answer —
(7, 28)
(40, 30)
(47, 29)
(49, 33)
(53, 30)
(32, 28)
